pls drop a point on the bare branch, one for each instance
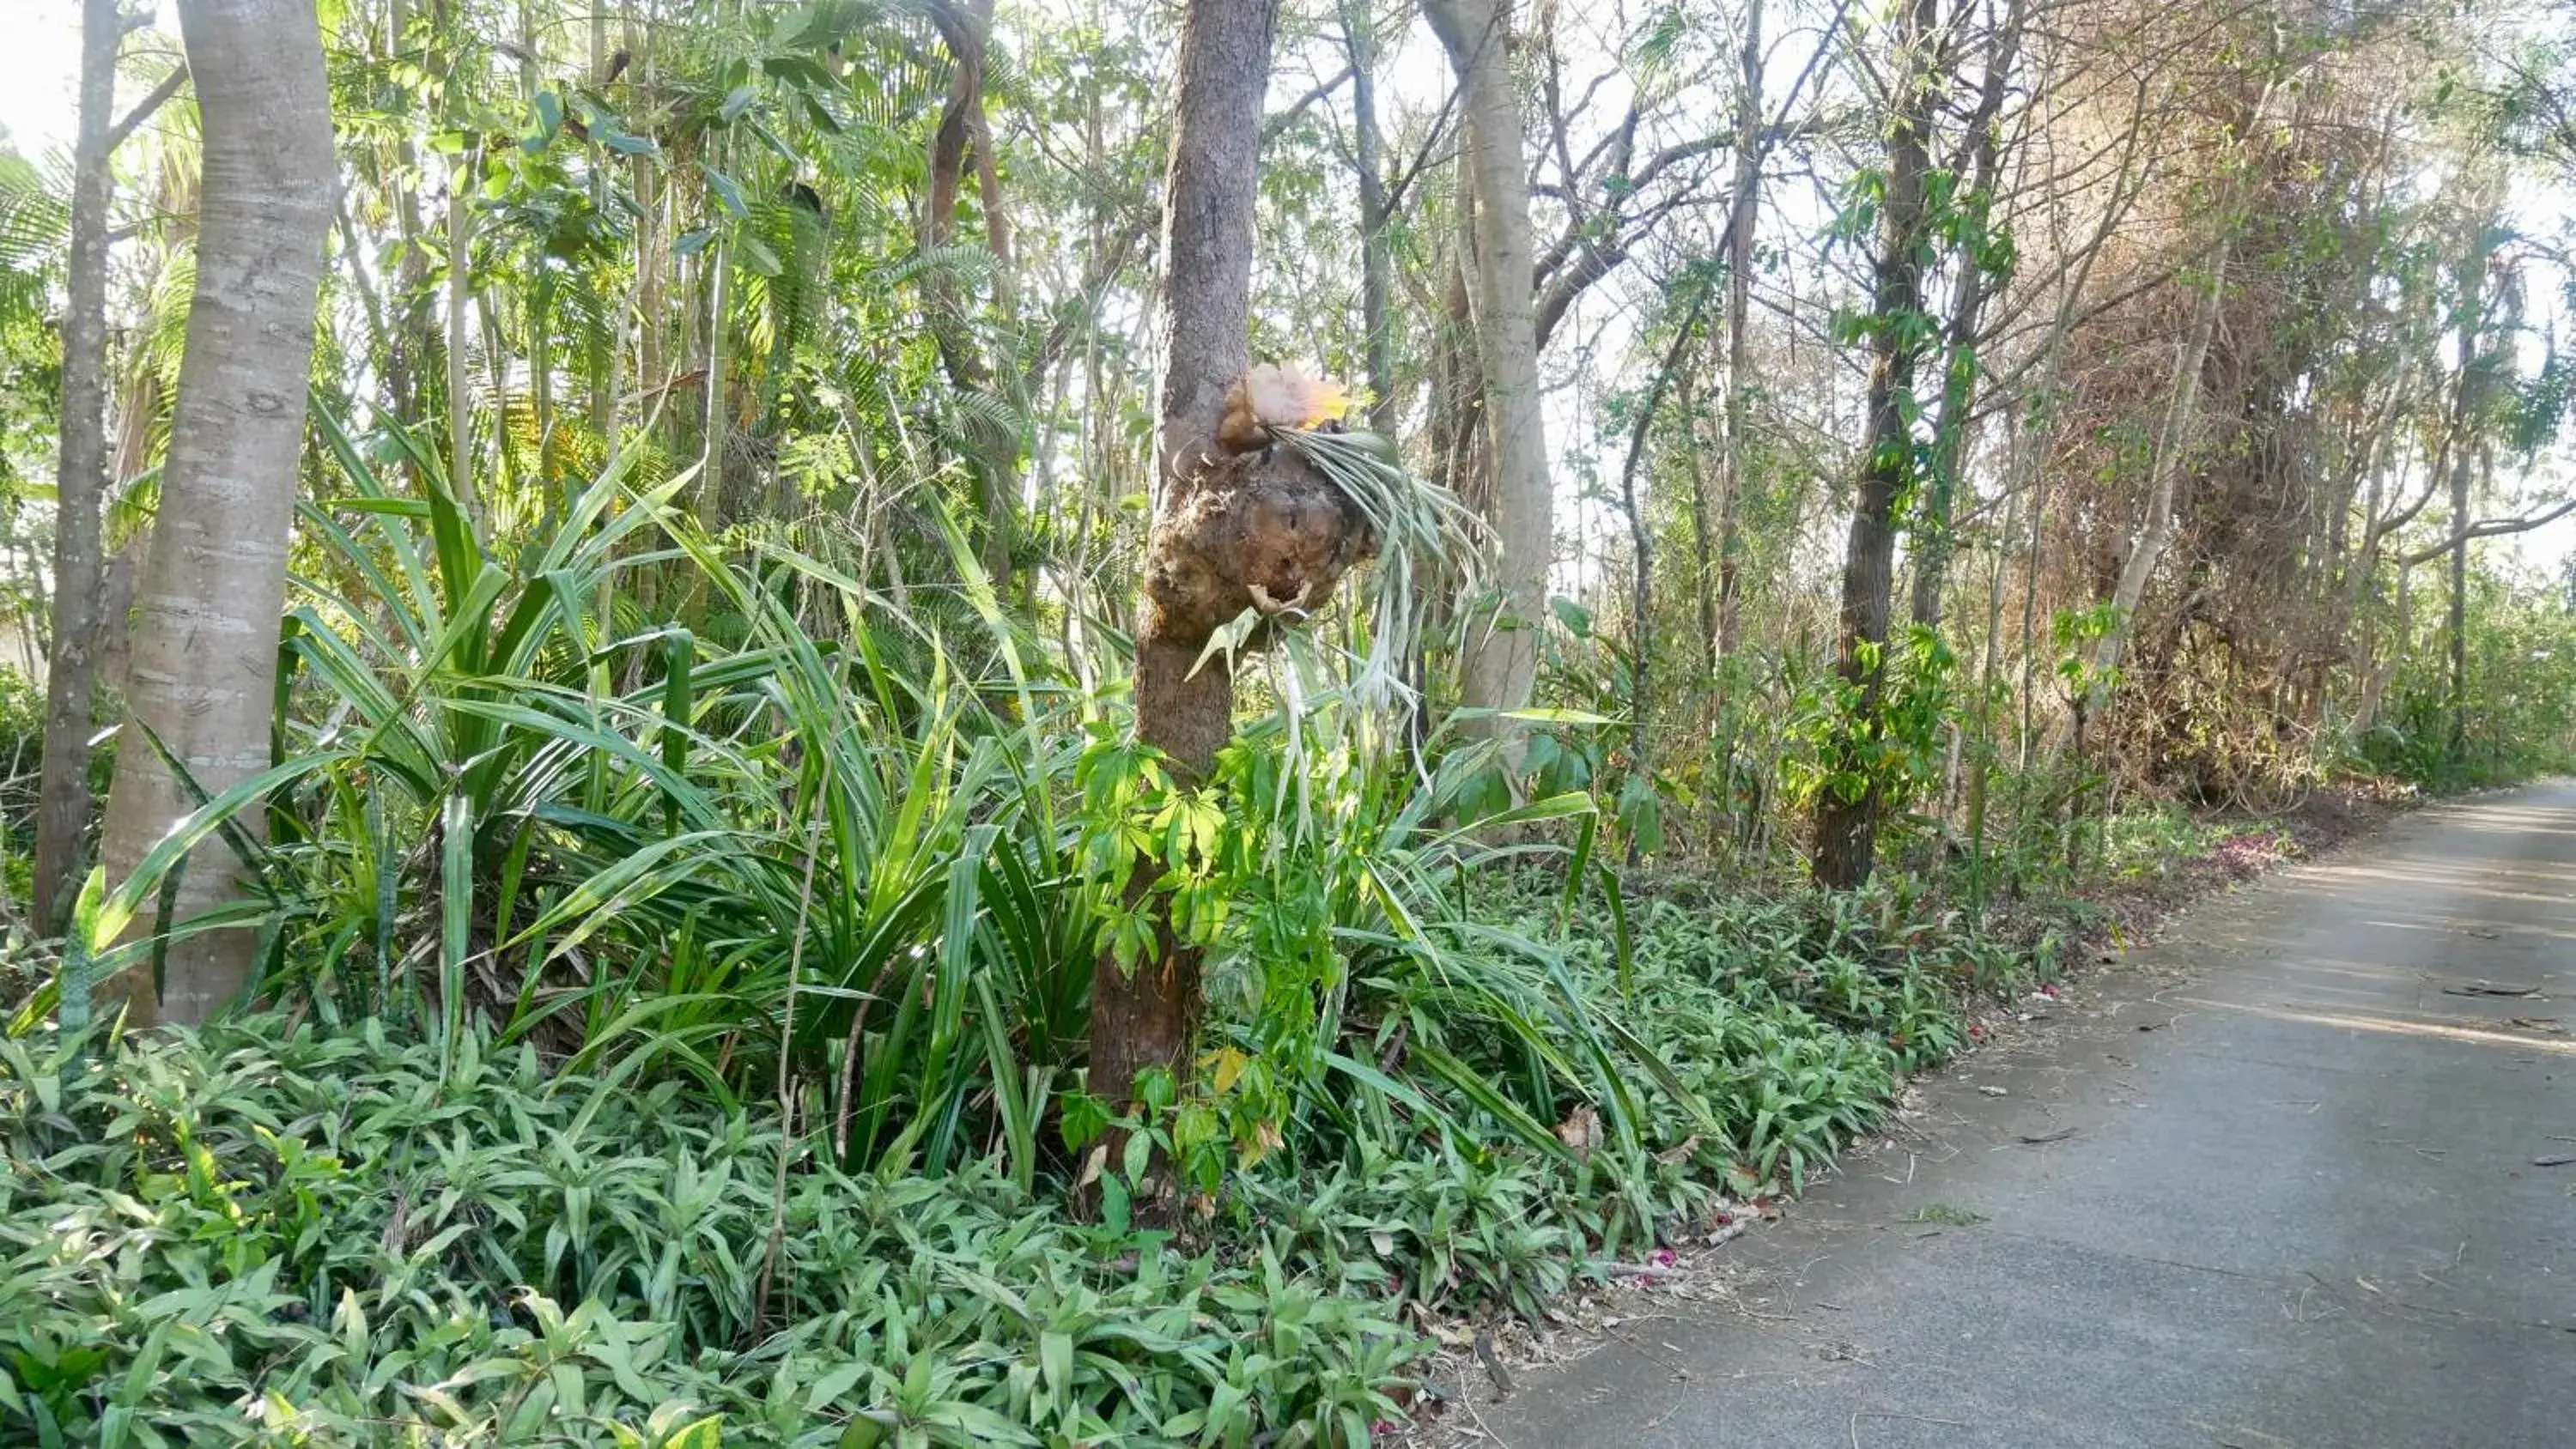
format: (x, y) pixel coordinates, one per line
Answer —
(144, 109)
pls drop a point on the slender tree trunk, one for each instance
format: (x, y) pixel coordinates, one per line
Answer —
(1501, 664)
(411, 319)
(1641, 544)
(2165, 473)
(71, 675)
(608, 358)
(712, 420)
(1377, 266)
(1744, 208)
(1847, 826)
(1144, 1019)
(2376, 672)
(2172, 447)
(966, 28)
(460, 291)
(1703, 535)
(205, 643)
(2470, 401)
(1959, 339)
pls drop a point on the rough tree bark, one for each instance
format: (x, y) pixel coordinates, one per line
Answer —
(71, 674)
(205, 639)
(1847, 828)
(1501, 664)
(1231, 528)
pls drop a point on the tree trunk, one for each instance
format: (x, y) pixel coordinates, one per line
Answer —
(1743, 209)
(1377, 267)
(411, 319)
(1847, 827)
(608, 355)
(2173, 437)
(461, 176)
(1144, 1019)
(2155, 531)
(1961, 364)
(205, 642)
(2470, 403)
(1703, 534)
(63, 795)
(1641, 543)
(1501, 664)
(966, 28)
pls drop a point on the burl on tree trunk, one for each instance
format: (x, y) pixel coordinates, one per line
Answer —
(1261, 530)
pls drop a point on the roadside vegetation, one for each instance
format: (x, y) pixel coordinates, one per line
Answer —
(805, 798)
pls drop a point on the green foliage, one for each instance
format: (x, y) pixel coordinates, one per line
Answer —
(1892, 751)
(274, 1235)
(564, 889)
(2519, 716)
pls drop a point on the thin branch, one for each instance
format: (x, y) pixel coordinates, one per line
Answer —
(144, 108)
(1277, 123)
(2492, 528)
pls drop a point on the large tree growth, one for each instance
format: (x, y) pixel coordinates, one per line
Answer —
(201, 687)
(1847, 810)
(1239, 525)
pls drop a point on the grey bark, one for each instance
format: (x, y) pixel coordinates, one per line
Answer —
(460, 285)
(1501, 664)
(80, 481)
(1377, 268)
(204, 650)
(1743, 207)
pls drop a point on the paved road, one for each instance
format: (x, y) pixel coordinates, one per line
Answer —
(2300, 1205)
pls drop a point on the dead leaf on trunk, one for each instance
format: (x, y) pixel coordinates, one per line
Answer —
(2490, 988)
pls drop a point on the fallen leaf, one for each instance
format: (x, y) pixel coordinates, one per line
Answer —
(1581, 1130)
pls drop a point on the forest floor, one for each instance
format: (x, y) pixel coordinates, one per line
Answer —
(2297, 1173)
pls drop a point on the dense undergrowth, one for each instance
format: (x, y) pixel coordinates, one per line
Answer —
(676, 958)
(283, 1233)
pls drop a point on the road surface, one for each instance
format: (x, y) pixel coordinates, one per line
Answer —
(2288, 1178)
